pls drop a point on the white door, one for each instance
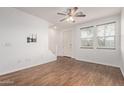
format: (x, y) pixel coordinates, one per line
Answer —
(67, 43)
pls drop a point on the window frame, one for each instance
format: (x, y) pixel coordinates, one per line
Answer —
(97, 47)
(87, 47)
(95, 37)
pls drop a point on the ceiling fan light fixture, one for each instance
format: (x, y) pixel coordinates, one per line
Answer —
(70, 19)
(70, 14)
(67, 19)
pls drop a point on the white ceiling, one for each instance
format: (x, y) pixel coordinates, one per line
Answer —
(50, 14)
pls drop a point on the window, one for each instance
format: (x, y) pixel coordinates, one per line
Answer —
(100, 36)
(106, 35)
(87, 37)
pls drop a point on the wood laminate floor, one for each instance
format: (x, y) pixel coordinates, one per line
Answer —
(65, 71)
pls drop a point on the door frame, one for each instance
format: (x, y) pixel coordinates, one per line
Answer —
(71, 54)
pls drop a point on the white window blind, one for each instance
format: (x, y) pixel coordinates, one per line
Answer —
(87, 37)
(104, 37)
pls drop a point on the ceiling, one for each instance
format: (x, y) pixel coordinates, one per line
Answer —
(50, 14)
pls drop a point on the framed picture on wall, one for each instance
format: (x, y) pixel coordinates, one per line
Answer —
(32, 38)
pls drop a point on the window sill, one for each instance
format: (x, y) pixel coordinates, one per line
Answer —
(86, 47)
(107, 48)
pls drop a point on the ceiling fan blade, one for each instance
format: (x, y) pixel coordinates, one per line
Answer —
(69, 11)
(80, 15)
(61, 14)
(73, 10)
(63, 19)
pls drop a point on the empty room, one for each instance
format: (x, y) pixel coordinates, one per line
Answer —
(61, 46)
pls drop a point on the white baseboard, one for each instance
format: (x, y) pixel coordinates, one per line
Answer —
(90, 61)
(121, 68)
(26, 67)
(122, 71)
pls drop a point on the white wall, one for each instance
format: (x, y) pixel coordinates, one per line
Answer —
(53, 40)
(15, 53)
(122, 40)
(100, 56)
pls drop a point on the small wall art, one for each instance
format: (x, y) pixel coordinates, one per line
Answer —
(32, 38)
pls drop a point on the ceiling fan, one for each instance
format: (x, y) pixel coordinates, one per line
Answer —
(70, 14)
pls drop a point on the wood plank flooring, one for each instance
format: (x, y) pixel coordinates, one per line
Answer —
(65, 72)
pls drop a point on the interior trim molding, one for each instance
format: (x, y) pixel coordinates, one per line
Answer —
(26, 67)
